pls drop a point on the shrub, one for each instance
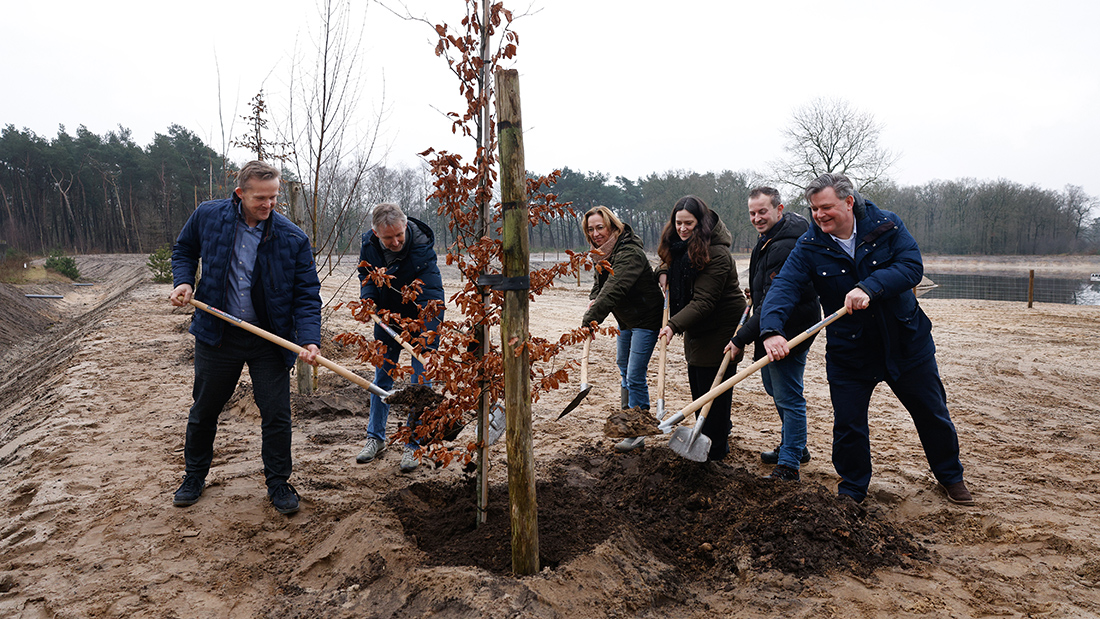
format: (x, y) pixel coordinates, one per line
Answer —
(160, 263)
(63, 264)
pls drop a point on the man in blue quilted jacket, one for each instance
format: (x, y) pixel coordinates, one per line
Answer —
(258, 266)
(404, 248)
(863, 258)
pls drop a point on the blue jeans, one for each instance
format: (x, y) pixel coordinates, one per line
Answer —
(379, 410)
(783, 382)
(921, 392)
(217, 370)
(635, 348)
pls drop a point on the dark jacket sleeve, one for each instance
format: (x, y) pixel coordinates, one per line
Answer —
(186, 251)
(367, 289)
(710, 284)
(629, 266)
(904, 271)
(784, 293)
(307, 296)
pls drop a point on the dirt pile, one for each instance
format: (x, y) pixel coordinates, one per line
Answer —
(631, 422)
(696, 517)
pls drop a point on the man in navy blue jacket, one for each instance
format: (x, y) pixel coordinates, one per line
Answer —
(863, 258)
(258, 266)
(404, 248)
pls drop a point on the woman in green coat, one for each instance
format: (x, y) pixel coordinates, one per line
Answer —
(629, 292)
(705, 302)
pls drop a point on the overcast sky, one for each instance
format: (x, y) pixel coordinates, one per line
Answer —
(984, 89)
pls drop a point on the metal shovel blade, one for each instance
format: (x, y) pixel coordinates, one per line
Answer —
(576, 401)
(498, 423)
(690, 445)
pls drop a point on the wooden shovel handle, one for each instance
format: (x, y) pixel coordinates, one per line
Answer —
(392, 333)
(749, 371)
(287, 344)
(717, 381)
(662, 354)
(584, 362)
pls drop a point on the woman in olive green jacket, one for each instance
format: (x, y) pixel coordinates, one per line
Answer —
(629, 292)
(705, 302)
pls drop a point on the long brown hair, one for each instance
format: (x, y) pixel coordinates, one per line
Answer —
(699, 243)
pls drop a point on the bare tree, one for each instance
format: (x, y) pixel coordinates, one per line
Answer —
(333, 154)
(829, 135)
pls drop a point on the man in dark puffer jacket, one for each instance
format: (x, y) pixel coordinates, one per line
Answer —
(782, 379)
(405, 248)
(257, 266)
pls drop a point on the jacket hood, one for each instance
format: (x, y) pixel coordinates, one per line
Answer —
(791, 226)
(720, 235)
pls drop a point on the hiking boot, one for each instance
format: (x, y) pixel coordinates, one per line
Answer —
(189, 491)
(772, 457)
(785, 473)
(624, 398)
(409, 462)
(370, 450)
(958, 494)
(284, 498)
(630, 444)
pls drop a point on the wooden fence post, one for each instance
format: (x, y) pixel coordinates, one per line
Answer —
(305, 372)
(515, 322)
(1030, 287)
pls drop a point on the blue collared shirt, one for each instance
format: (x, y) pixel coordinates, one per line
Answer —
(246, 242)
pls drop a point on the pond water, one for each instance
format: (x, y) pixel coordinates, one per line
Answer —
(1014, 288)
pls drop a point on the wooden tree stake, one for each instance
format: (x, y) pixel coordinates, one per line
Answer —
(515, 332)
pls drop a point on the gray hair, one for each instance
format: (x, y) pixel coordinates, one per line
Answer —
(387, 214)
(840, 184)
(256, 170)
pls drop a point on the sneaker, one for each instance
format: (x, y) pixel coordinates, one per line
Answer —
(409, 462)
(772, 457)
(785, 473)
(958, 494)
(370, 450)
(630, 444)
(189, 491)
(284, 497)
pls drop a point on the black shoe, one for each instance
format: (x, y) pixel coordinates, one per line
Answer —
(284, 498)
(189, 491)
(785, 473)
(772, 457)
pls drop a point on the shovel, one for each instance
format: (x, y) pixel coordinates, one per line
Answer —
(688, 442)
(585, 387)
(287, 344)
(389, 331)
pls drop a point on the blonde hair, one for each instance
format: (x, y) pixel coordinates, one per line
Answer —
(609, 218)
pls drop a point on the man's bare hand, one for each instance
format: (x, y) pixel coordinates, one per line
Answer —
(776, 347)
(309, 355)
(181, 295)
(856, 300)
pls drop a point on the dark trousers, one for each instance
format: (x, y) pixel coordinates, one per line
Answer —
(921, 393)
(717, 426)
(217, 370)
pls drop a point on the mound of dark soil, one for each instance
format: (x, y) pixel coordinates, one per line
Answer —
(694, 516)
(631, 422)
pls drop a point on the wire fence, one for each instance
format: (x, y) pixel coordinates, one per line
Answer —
(1082, 291)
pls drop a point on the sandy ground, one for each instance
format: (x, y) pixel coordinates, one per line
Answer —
(92, 414)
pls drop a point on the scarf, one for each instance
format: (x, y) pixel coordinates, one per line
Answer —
(607, 246)
(681, 277)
